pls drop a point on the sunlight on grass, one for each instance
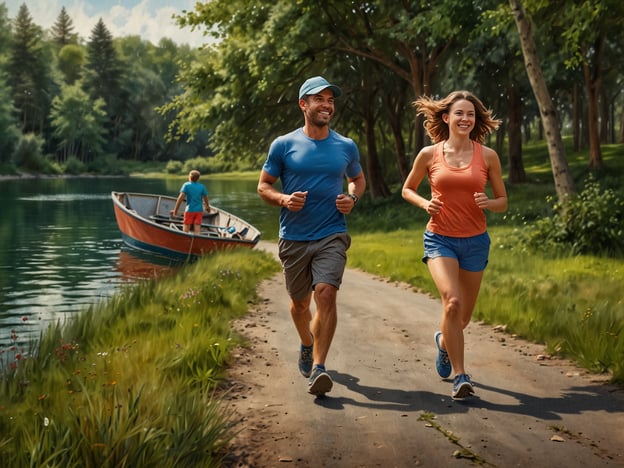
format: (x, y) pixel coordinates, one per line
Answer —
(394, 255)
(574, 305)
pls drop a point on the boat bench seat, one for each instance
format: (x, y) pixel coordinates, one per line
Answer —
(230, 230)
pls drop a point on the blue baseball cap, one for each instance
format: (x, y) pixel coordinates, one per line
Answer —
(317, 84)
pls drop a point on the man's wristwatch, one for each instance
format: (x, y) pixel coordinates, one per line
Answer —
(354, 197)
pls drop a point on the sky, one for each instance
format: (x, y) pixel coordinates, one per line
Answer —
(150, 19)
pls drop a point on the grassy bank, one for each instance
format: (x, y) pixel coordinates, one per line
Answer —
(131, 382)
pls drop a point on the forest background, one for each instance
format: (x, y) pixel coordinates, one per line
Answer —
(73, 104)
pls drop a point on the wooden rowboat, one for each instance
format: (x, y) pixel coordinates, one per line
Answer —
(145, 224)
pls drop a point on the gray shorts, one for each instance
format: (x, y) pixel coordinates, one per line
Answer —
(308, 263)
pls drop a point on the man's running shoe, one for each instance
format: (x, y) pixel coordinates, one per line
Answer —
(462, 386)
(306, 360)
(443, 365)
(320, 382)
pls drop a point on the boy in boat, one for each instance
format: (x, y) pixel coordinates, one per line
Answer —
(194, 194)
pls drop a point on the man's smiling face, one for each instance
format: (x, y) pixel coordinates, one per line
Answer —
(318, 109)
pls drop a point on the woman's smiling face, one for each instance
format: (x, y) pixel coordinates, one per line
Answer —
(461, 117)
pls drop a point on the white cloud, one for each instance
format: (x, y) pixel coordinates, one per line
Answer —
(122, 18)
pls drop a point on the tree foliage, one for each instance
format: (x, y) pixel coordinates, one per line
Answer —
(131, 76)
(29, 73)
(62, 31)
(79, 124)
(230, 98)
(71, 59)
(383, 54)
(266, 49)
(9, 132)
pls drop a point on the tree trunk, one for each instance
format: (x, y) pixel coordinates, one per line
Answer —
(622, 128)
(377, 187)
(592, 84)
(564, 185)
(576, 119)
(399, 148)
(606, 136)
(517, 174)
(395, 109)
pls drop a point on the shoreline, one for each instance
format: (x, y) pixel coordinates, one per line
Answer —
(26, 176)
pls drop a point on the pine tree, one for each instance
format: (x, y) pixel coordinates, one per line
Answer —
(103, 75)
(9, 133)
(5, 31)
(29, 73)
(62, 32)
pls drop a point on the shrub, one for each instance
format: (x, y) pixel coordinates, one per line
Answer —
(50, 166)
(590, 223)
(203, 165)
(9, 139)
(107, 164)
(174, 167)
(74, 166)
(28, 154)
(8, 168)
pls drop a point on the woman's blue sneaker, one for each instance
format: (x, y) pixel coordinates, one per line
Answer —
(320, 382)
(443, 365)
(462, 386)
(306, 360)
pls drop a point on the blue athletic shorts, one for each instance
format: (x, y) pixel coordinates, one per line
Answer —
(470, 252)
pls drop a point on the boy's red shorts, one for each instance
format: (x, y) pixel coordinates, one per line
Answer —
(193, 217)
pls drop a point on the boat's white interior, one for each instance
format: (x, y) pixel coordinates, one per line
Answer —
(157, 209)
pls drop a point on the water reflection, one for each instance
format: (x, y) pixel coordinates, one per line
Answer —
(134, 266)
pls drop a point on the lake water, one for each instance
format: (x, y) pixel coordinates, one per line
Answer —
(61, 250)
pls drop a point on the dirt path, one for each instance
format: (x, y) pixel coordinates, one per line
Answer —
(389, 408)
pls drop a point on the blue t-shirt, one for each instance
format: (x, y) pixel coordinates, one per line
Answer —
(194, 192)
(320, 168)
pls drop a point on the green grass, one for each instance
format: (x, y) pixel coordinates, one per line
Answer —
(572, 304)
(132, 382)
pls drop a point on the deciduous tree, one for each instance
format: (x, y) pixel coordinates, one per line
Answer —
(558, 160)
(71, 59)
(78, 123)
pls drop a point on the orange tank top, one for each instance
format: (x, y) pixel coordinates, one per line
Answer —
(460, 216)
